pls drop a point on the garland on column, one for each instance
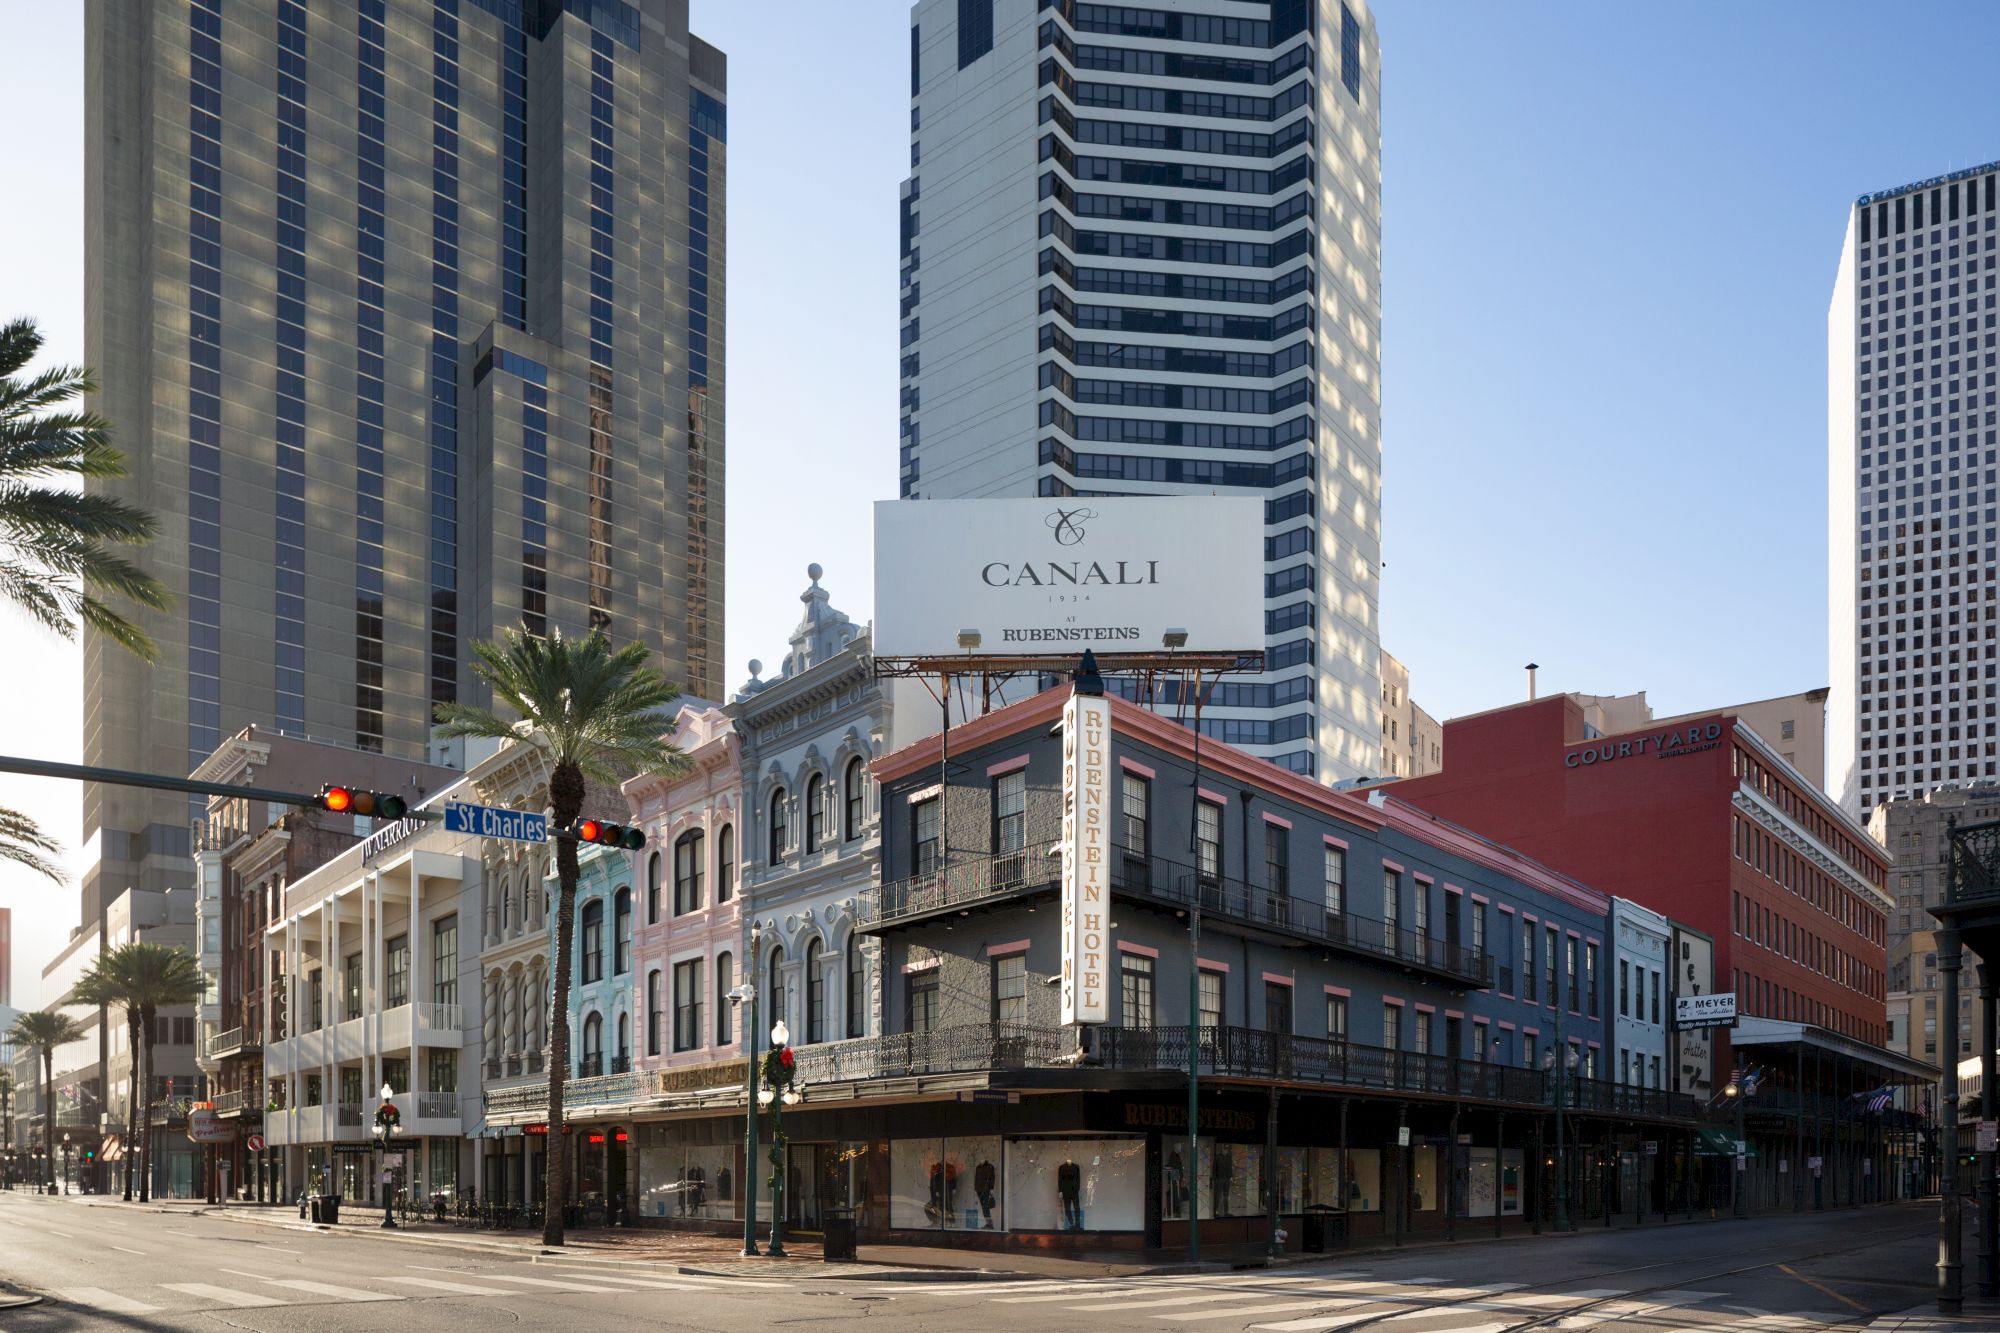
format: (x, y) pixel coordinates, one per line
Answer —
(780, 1072)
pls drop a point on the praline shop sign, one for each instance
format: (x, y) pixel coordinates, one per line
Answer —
(1669, 744)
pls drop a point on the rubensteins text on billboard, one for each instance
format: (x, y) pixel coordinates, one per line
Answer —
(1086, 858)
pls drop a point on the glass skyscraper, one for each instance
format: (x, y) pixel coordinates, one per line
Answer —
(409, 315)
(1141, 255)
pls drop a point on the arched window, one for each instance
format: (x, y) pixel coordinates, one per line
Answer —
(590, 943)
(653, 889)
(593, 1046)
(815, 993)
(621, 932)
(725, 1011)
(689, 855)
(774, 1002)
(815, 812)
(857, 987)
(506, 907)
(624, 1061)
(777, 825)
(855, 791)
(725, 863)
(653, 1011)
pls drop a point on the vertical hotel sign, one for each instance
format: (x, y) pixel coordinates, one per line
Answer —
(1086, 857)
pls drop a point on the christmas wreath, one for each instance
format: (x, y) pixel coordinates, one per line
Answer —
(387, 1118)
(780, 1069)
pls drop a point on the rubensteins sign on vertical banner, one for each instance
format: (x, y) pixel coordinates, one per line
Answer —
(1086, 859)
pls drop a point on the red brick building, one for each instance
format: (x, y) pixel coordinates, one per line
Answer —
(1701, 820)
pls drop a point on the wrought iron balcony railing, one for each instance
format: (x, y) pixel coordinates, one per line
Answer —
(966, 879)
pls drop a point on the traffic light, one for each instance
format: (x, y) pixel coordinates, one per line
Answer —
(610, 835)
(90, 1154)
(350, 801)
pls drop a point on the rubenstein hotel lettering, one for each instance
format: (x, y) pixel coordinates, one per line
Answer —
(1086, 857)
(1692, 739)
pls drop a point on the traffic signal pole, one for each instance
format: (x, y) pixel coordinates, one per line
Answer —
(119, 777)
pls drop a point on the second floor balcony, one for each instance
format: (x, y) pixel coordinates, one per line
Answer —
(1272, 911)
(234, 1041)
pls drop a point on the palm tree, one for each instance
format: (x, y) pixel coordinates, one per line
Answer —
(108, 985)
(55, 556)
(56, 560)
(593, 713)
(156, 977)
(44, 1030)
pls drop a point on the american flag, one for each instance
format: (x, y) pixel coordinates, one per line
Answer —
(1880, 1100)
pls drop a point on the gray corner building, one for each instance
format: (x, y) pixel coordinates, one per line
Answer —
(409, 314)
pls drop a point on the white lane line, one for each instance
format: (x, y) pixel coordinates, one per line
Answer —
(1315, 1325)
(122, 1250)
(1285, 1307)
(1177, 1301)
(652, 1282)
(678, 1282)
(458, 1288)
(328, 1289)
(1072, 1296)
(64, 1234)
(963, 1288)
(97, 1298)
(543, 1282)
(242, 1300)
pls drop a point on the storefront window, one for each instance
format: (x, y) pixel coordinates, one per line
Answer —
(1076, 1184)
(1364, 1180)
(1236, 1176)
(443, 1176)
(691, 1180)
(1424, 1179)
(1291, 1180)
(949, 1184)
(1175, 1178)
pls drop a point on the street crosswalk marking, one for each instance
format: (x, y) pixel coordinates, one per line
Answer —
(541, 1282)
(1156, 1301)
(457, 1288)
(242, 1300)
(1284, 1307)
(99, 1299)
(1101, 1294)
(329, 1289)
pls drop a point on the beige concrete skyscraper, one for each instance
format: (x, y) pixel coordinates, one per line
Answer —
(409, 314)
(1142, 256)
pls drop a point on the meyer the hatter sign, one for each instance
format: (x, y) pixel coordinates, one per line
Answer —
(1038, 577)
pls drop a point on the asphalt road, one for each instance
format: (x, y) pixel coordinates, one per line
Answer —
(109, 1268)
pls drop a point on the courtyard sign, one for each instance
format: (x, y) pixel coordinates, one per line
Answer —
(1086, 858)
(1670, 744)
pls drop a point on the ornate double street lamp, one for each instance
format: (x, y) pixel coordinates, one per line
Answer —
(1738, 1090)
(1561, 1074)
(66, 1161)
(745, 997)
(779, 1091)
(388, 1124)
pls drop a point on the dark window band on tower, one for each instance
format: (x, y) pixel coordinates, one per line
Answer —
(603, 190)
(444, 353)
(975, 30)
(289, 406)
(1350, 53)
(707, 128)
(204, 610)
(916, 64)
(369, 230)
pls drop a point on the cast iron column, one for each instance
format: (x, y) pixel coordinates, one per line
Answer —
(1989, 1196)
(1950, 1280)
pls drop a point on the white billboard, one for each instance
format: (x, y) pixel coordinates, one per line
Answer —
(1049, 577)
(1086, 859)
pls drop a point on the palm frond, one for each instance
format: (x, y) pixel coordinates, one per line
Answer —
(23, 842)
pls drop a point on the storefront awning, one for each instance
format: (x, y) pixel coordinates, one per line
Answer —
(1770, 1034)
(1717, 1143)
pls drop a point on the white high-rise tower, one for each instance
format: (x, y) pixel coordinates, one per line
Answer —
(1911, 591)
(1142, 256)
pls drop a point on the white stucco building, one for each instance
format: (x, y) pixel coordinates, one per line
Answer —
(1641, 995)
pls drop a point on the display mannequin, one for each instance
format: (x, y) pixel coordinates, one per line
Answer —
(983, 1177)
(1225, 1171)
(1176, 1181)
(1069, 1185)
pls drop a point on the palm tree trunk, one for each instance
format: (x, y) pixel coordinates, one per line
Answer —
(565, 801)
(131, 1100)
(146, 1110)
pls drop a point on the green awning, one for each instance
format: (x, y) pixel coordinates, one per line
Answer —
(1717, 1143)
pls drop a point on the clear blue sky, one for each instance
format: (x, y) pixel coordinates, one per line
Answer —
(1609, 239)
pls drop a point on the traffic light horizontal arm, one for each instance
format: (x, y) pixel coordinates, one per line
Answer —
(118, 777)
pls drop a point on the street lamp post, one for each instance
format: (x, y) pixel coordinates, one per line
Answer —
(388, 1123)
(1737, 1090)
(65, 1161)
(778, 1092)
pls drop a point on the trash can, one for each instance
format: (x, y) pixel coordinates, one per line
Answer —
(1324, 1227)
(333, 1210)
(318, 1205)
(838, 1231)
